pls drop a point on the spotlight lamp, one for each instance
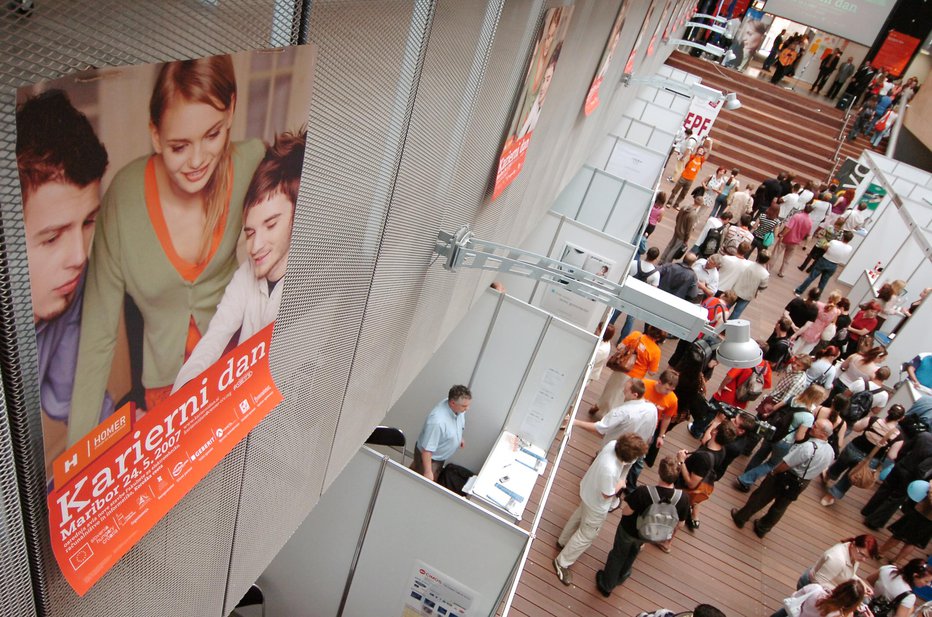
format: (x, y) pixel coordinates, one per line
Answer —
(738, 350)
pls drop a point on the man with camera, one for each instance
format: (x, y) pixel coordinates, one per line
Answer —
(786, 482)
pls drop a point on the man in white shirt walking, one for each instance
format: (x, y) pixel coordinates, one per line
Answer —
(837, 252)
(731, 265)
(751, 282)
(635, 415)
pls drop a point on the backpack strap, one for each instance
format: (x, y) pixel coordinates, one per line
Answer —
(897, 600)
(677, 493)
(637, 266)
(654, 495)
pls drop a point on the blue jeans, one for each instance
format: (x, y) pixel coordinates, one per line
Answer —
(823, 268)
(758, 468)
(738, 308)
(721, 202)
(847, 459)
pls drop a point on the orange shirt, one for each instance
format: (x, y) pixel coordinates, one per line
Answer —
(648, 354)
(692, 167)
(666, 403)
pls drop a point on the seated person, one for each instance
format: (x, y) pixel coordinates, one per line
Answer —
(252, 297)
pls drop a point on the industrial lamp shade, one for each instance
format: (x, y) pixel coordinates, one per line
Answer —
(739, 350)
(731, 101)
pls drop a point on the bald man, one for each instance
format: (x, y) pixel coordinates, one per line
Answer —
(788, 480)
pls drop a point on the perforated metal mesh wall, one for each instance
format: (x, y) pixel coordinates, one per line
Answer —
(181, 566)
(410, 102)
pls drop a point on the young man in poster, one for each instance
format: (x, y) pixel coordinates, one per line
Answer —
(61, 162)
(251, 299)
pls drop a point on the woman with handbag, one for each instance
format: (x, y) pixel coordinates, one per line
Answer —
(893, 595)
(635, 356)
(821, 328)
(859, 460)
(816, 601)
(913, 529)
(840, 562)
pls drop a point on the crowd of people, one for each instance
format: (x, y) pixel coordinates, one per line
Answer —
(815, 409)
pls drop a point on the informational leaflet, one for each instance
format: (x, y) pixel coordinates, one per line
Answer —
(431, 593)
(158, 203)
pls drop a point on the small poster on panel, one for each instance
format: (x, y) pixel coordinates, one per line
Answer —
(632, 57)
(158, 203)
(431, 593)
(533, 94)
(570, 306)
(661, 28)
(608, 54)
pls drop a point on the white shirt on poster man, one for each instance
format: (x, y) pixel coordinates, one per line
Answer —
(730, 267)
(707, 276)
(838, 252)
(635, 416)
(601, 479)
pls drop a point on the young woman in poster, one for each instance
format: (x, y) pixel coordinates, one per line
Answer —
(166, 235)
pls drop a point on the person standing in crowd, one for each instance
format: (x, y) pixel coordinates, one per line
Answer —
(742, 201)
(643, 268)
(820, 209)
(823, 372)
(801, 312)
(634, 415)
(656, 213)
(856, 217)
(750, 283)
(919, 370)
(765, 230)
(815, 600)
(645, 347)
(768, 456)
(442, 434)
(738, 234)
(863, 120)
(628, 538)
(823, 235)
(602, 351)
(863, 325)
(713, 187)
(913, 529)
(826, 68)
(707, 244)
(679, 279)
(685, 148)
(731, 265)
(722, 199)
(702, 610)
(845, 71)
(840, 562)
(662, 393)
(795, 231)
(785, 62)
(774, 50)
(697, 469)
(895, 585)
(913, 463)
(685, 182)
(873, 431)
(836, 253)
(685, 221)
(858, 367)
(810, 333)
(598, 487)
(787, 481)
(707, 276)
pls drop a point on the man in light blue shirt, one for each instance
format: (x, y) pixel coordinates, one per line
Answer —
(442, 434)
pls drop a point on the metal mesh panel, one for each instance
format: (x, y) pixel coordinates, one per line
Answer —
(368, 62)
(181, 566)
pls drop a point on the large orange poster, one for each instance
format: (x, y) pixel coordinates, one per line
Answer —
(608, 54)
(158, 203)
(533, 94)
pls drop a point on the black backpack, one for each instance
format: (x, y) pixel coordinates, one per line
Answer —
(640, 274)
(781, 421)
(861, 404)
(882, 607)
(454, 478)
(712, 242)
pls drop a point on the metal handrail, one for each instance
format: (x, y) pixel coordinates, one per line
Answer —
(836, 158)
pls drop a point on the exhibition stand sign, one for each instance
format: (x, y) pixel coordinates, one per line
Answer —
(701, 116)
(608, 54)
(158, 203)
(533, 95)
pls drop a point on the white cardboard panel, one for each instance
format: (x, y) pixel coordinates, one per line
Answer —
(453, 363)
(570, 198)
(415, 520)
(599, 200)
(639, 132)
(600, 154)
(630, 212)
(663, 118)
(509, 349)
(885, 237)
(299, 581)
(551, 383)
(662, 141)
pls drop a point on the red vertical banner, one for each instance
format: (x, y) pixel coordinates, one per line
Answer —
(895, 52)
(533, 94)
(608, 54)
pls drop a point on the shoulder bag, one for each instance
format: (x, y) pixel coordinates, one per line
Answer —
(623, 360)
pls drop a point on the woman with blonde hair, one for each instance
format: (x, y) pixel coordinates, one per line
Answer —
(166, 235)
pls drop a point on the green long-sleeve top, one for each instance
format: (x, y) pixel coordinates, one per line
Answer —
(127, 257)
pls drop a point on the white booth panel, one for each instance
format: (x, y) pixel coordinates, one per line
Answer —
(599, 200)
(635, 163)
(903, 187)
(453, 363)
(636, 108)
(308, 576)
(540, 241)
(885, 237)
(622, 128)
(599, 157)
(922, 194)
(570, 199)
(912, 174)
(414, 522)
(630, 211)
(662, 141)
(914, 338)
(904, 264)
(550, 384)
(639, 132)
(499, 373)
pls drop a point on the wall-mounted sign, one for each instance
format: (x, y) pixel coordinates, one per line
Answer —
(158, 205)
(608, 54)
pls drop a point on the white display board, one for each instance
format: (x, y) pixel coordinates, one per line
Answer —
(856, 20)
(416, 523)
(496, 349)
(914, 337)
(299, 581)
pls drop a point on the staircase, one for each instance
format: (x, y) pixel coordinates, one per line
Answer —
(775, 129)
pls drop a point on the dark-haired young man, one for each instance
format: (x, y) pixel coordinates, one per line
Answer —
(61, 162)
